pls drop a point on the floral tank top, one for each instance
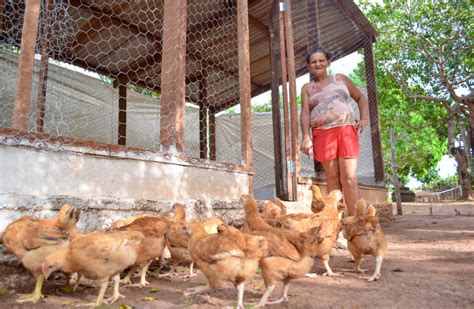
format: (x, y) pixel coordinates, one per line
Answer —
(330, 105)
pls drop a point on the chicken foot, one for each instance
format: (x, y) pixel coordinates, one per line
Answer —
(127, 278)
(100, 297)
(35, 295)
(357, 269)
(378, 266)
(116, 294)
(264, 300)
(284, 294)
(197, 290)
(329, 271)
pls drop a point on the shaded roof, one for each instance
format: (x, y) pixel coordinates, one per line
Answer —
(122, 40)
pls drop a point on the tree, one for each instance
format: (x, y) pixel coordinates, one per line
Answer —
(426, 47)
(420, 136)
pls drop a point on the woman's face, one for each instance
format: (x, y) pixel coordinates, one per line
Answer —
(318, 64)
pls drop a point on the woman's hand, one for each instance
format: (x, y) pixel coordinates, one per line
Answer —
(307, 147)
(361, 124)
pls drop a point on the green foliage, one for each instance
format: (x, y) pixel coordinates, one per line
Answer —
(419, 40)
(262, 108)
(420, 136)
(422, 47)
(144, 91)
(441, 184)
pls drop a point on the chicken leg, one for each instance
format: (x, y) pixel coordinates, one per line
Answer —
(264, 300)
(329, 271)
(127, 279)
(284, 294)
(116, 294)
(36, 295)
(100, 297)
(378, 266)
(240, 295)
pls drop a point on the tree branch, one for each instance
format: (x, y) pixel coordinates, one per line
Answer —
(415, 96)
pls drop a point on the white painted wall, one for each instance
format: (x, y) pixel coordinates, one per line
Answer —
(29, 171)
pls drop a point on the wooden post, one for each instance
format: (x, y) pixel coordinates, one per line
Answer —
(122, 116)
(295, 149)
(43, 73)
(212, 135)
(244, 80)
(203, 116)
(286, 113)
(313, 40)
(2, 13)
(276, 118)
(26, 62)
(373, 112)
(396, 183)
(173, 76)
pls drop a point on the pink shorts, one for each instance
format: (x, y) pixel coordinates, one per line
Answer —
(338, 142)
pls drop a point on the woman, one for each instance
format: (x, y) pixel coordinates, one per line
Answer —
(329, 128)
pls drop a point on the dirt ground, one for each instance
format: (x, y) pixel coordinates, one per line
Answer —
(429, 263)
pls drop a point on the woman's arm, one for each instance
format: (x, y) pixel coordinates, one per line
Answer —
(361, 102)
(307, 144)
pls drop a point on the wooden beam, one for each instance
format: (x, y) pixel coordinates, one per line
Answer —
(259, 25)
(90, 30)
(212, 136)
(373, 112)
(314, 37)
(122, 116)
(244, 83)
(203, 116)
(295, 149)
(44, 63)
(173, 76)
(21, 110)
(110, 16)
(286, 113)
(276, 117)
(2, 13)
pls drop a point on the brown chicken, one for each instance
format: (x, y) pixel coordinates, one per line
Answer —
(177, 238)
(365, 237)
(154, 229)
(123, 222)
(273, 211)
(327, 219)
(317, 203)
(289, 254)
(31, 240)
(229, 255)
(97, 256)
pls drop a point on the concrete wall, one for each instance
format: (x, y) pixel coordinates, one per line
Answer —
(375, 195)
(37, 182)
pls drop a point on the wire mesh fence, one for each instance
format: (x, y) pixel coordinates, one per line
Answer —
(98, 76)
(98, 68)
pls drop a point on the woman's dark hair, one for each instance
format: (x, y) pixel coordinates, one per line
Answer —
(318, 49)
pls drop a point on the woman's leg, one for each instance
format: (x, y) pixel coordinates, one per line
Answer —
(348, 178)
(331, 169)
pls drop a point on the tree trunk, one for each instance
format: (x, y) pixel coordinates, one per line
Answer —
(460, 155)
(396, 183)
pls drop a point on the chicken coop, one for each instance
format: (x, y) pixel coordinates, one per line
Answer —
(119, 107)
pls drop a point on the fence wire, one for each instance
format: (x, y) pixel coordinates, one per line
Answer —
(98, 68)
